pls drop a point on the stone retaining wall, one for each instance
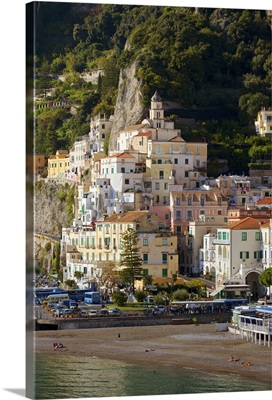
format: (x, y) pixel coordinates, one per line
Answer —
(89, 323)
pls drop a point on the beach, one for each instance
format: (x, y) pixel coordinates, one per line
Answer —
(198, 347)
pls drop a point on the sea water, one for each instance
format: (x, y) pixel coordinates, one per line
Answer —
(78, 377)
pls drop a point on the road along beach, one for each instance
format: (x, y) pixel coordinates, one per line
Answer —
(199, 347)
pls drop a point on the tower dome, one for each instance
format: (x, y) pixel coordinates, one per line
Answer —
(156, 97)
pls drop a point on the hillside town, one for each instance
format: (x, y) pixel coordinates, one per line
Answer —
(188, 224)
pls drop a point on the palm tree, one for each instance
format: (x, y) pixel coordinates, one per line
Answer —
(266, 279)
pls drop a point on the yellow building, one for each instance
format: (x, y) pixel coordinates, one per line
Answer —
(101, 246)
(59, 164)
(39, 163)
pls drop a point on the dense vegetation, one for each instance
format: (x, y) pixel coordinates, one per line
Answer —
(214, 62)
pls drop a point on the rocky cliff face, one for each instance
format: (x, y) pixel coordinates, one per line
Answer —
(128, 109)
(53, 207)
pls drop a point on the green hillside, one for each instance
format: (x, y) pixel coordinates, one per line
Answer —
(216, 63)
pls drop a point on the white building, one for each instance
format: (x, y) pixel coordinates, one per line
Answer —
(100, 127)
(266, 230)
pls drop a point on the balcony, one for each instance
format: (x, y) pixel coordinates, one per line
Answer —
(222, 241)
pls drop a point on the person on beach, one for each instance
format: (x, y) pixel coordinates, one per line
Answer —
(233, 359)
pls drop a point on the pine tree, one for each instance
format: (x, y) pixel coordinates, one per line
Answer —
(131, 260)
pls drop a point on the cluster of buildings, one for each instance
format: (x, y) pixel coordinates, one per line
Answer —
(156, 183)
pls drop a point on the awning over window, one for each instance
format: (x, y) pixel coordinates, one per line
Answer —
(218, 290)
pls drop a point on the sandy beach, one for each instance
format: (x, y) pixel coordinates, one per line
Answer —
(194, 346)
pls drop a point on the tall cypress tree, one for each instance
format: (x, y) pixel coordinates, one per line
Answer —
(131, 260)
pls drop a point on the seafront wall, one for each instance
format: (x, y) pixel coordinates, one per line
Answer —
(112, 322)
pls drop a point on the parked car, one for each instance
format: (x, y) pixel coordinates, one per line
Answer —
(52, 304)
(93, 313)
(67, 311)
(158, 310)
(115, 312)
(104, 313)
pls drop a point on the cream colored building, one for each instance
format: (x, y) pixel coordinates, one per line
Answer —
(263, 124)
(59, 165)
(238, 249)
(236, 188)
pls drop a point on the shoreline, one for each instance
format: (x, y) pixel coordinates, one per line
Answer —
(198, 347)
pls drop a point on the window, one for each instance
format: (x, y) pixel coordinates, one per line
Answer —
(244, 254)
(165, 242)
(189, 214)
(161, 174)
(189, 201)
(178, 229)
(164, 272)
(186, 160)
(145, 242)
(219, 236)
(197, 151)
(159, 161)
(178, 201)
(164, 258)
(202, 201)
(186, 174)
(159, 150)
(175, 161)
(178, 215)
(126, 181)
(145, 258)
(224, 235)
(166, 186)
(258, 254)
(157, 186)
(123, 170)
(244, 236)
(258, 236)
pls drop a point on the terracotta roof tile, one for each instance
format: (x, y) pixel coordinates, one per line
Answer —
(120, 155)
(246, 223)
(264, 200)
(143, 134)
(130, 216)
